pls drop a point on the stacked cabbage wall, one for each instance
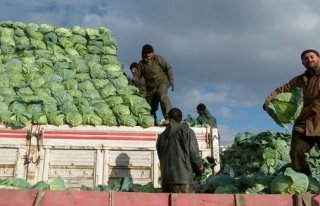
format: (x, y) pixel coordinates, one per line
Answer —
(55, 75)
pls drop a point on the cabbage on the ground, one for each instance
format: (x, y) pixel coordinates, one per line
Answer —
(55, 75)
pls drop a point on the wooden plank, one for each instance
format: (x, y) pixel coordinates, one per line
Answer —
(140, 199)
(45, 165)
(130, 158)
(203, 200)
(76, 167)
(137, 165)
(73, 157)
(8, 162)
(72, 198)
(99, 167)
(20, 170)
(155, 170)
(269, 199)
(8, 155)
(17, 197)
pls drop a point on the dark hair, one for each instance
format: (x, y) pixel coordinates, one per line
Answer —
(175, 114)
(201, 107)
(133, 65)
(147, 49)
(309, 50)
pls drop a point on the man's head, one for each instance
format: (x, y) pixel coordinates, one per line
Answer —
(134, 68)
(310, 59)
(175, 114)
(201, 108)
(147, 52)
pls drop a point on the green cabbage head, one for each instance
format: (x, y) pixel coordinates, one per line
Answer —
(286, 107)
(290, 182)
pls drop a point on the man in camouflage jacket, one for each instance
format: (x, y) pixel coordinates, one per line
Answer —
(137, 80)
(205, 118)
(158, 77)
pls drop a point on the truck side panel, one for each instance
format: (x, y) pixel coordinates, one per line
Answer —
(87, 155)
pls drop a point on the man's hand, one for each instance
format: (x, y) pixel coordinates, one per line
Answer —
(265, 105)
(172, 85)
(200, 170)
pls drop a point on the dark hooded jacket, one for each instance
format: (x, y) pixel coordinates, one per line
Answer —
(178, 152)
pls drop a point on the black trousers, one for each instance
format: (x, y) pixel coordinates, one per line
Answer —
(300, 146)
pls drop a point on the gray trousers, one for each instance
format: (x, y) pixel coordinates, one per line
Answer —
(158, 95)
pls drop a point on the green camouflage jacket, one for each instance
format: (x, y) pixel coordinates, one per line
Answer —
(155, 71)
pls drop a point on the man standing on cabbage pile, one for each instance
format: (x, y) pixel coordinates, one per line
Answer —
(158, 76)
(306, 128)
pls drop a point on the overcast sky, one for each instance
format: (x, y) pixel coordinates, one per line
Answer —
(227, 54)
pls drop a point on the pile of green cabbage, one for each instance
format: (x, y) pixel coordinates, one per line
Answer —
(260, 164)
(123, 184)
(286, 107)
(56, 183)
(54, 75)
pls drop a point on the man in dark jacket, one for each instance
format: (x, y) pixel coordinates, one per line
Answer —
(178, 152)
(158, 76)
(306, 128)
(137, 80)
(205, 118)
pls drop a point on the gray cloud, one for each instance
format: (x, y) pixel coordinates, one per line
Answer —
(228, 54)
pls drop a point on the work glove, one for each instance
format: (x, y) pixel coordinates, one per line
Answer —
(211, 160)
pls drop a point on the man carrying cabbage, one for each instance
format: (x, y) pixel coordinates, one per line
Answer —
(306, 124)
(205, 118)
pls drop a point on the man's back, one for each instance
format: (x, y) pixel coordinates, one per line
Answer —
(178, 152)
